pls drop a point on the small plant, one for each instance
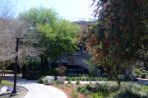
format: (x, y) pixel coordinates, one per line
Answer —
(69, 82)
(74, 94)
(88, 87)
(143, 76)
(83, 90)
(40, 80)
(137, 72)
(96, 95)
(45, 82)
(72, 78)
(78, 82)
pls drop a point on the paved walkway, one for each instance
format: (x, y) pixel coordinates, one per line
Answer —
(36, 90)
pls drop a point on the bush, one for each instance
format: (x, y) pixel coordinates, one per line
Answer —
(137, 72)
(88, 87)
(83, 90)
(45, 82)
(102, 88)
(129, 93)
(106, 88)
(132, 86)
(52, 71)
(143, 76)
(130, 90)
(92, 71)
(40, 80)
(112, 90)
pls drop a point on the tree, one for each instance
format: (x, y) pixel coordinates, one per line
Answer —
(143, 53)
(8, 37)
(60, 39)
(6, 34)
(114, 43)
(54, 35)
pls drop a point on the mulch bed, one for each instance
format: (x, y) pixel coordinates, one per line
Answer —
(68, 90)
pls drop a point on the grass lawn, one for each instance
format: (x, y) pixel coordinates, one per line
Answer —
(145, 88)
(6, 83)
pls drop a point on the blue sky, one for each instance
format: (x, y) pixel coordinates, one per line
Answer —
(68, 9)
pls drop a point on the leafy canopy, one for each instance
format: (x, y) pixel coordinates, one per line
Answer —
(56, 35)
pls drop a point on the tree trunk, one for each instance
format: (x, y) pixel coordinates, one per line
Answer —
(118, 80)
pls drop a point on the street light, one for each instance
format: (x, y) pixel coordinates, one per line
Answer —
(16, 63)
(15, 66)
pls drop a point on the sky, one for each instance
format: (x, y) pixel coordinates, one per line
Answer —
(69, 9)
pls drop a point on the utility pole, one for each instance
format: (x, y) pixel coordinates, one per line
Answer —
(15, 66)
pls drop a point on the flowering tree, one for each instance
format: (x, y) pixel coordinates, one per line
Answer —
(6, 46)
(10, 29)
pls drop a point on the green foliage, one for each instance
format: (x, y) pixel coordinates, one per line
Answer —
(96, 95)
(51, 71)
(129, 93)
(145, 88)
(39, 16)
(33, 75)
(88, 87)
(40, 80)
(5, 83)
(78, 82)
(137, 72)
(140, 72)
(74, 94)
(55, 36)
(69, 82)
(112, 90)
(45, 82)
(87, 78)
(92, 71)
(83, 90)
(105, 89)
(33, 63)
(99, 90)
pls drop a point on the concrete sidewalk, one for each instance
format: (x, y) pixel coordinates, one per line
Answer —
(36, 90)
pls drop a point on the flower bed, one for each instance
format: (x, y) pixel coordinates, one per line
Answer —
(104, 90)
(70, 90)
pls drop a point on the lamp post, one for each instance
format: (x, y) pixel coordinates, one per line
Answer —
(22, 27)
(16, 63)
(15, 66)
